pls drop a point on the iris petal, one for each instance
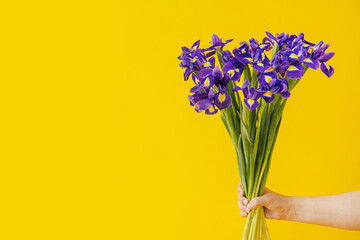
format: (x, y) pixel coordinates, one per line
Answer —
(295, 71)
(204, 73)
(268, 97)
(327, 69)
(251, 103)
(222, 100)
(203, 105)
(231, 71)
(211, 110)
(208, 82)
(285, 94)
(326, 57)
(312, 63)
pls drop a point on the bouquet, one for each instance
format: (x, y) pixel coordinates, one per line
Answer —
(252, 118)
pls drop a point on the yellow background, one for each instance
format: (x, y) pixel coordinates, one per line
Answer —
(98, 140)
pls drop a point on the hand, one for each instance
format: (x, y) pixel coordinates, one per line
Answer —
(276, 206)
(341, 210)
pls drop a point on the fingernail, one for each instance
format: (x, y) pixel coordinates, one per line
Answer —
(245, 201)
(249, 206)
(248, 210)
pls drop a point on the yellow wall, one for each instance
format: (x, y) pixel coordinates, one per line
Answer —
(99, 140)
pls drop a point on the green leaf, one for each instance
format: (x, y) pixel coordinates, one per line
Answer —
(263, 181)
(258, 129)
(247, 74)
(275, 118)
(244, 129)
(219, 54)
(242, 166)
(275, 50)
(253, 80)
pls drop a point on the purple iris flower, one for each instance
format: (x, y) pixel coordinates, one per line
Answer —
(205, 79)
(243, 53)
(204, 97)
(244, 87)
(261, 66)
(209, 54)
(266, 94)
(197, 97)
(209, 63)
(222, 98)
(317, 52)
(253, 54)
(295, 71)
(251, 100)
(270, 85)
(198, 83)
(217, 42)
(194, 59)
(244, 48)
(195, 46)
(226, 56)
(187, 72)
(203, 101)
(299, 54)
(253, 43)
(295, 58)
(294, 55)
(280, 39)
(327, 69)
(275, 86)
(251, 95)
(280, 86)
(186, 62)
(244, 58)
(308, 44)
(258, 55)
(220, 80)
(233, 68)
(268, 42)
(280, 64)
(203, 105)
(202, 80)
(267, 76)
(295, 51)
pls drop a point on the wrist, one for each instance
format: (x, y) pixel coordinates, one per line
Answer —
(289, 209)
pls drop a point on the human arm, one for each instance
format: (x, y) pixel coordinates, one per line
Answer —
(340, 211)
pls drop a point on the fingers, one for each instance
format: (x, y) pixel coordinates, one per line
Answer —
(243, 214)
(246, 206)
(257, 202)
(240, 191)
(242, 201)
(242, 204)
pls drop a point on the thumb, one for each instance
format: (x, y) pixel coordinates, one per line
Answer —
(257, 202)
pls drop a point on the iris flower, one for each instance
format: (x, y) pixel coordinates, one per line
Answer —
(233, 68)
(222, 98)
(217, 42)
(318, 52)
(203, 101)
(251, 95)
(289, 61)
